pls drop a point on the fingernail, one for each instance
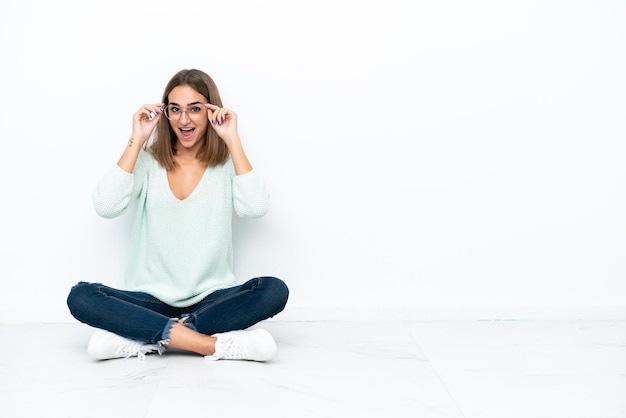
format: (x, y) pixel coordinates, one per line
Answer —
(212, 121)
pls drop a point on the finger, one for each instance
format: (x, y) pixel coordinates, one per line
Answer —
(156, 111)
(219, 115)
(153, 110)
(216, 113)
(210, 111)
(226, 114)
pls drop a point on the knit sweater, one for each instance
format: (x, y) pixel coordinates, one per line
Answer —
(181, 250)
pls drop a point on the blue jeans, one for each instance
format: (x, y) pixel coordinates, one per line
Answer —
(142, 317)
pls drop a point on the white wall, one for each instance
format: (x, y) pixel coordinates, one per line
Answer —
(426, 159)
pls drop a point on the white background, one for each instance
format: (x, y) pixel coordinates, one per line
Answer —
(426, 159)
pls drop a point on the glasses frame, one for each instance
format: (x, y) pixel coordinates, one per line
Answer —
(191, 115)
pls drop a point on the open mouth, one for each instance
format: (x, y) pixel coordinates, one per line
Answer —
(187, 133)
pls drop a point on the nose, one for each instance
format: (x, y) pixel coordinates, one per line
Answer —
(184, 117)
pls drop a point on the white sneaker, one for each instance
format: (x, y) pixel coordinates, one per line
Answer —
(105, 345)
(256, 345)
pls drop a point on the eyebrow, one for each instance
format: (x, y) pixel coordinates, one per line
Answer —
(188, 104)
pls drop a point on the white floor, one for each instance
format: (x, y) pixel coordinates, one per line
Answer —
(332, 369)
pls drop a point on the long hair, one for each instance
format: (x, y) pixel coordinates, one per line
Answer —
(213, 150)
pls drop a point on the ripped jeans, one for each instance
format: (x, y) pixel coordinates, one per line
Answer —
(142, 317)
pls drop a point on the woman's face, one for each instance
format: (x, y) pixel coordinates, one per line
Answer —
(188, 116)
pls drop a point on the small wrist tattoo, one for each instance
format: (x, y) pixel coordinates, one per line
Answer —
(130, 142)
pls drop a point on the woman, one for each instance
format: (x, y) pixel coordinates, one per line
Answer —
(180, 289)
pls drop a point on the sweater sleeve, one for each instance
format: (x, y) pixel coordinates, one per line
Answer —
(117, 190)
(251, 197)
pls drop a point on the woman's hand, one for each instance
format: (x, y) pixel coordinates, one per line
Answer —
(224, 122)
(145, 120)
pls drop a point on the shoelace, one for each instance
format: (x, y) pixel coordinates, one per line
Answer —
(235, 352)
(135, 348)
(228, 350)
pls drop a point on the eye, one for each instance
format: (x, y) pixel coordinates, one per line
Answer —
(174, 109)
(196, 109)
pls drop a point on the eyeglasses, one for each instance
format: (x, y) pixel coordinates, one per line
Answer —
(194, 111)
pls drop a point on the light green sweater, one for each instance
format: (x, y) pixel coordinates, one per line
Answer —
(181, 250)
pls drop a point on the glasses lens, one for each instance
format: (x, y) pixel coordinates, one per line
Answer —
(174, 112)
(196, 110)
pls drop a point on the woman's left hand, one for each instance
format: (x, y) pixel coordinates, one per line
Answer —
(224, 122)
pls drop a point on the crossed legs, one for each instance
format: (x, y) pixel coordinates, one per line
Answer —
(141, 317)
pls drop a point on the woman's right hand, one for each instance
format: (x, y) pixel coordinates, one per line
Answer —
(145, 120)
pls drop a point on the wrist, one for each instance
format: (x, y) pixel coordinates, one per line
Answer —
(137, 140)
(233, 140)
